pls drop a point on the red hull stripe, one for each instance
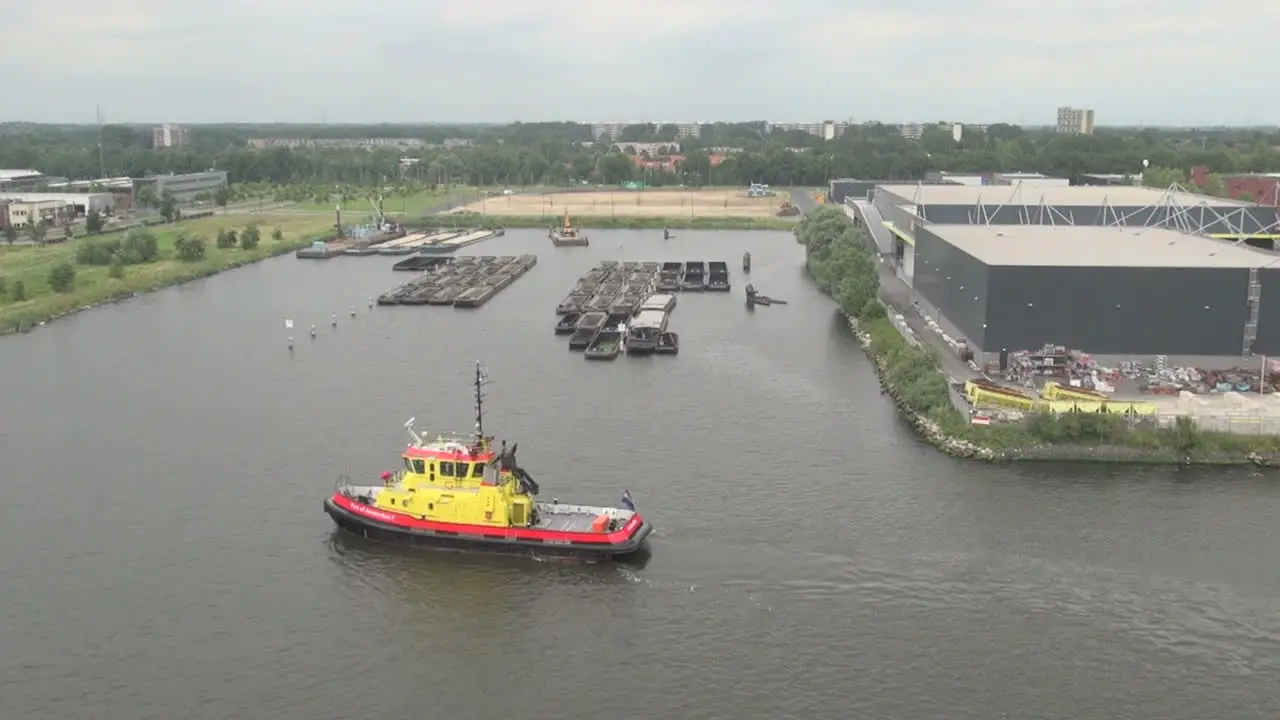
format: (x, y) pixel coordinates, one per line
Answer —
(411, 523)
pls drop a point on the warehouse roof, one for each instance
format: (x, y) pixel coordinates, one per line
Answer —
(1053, 195)
(1084, 246)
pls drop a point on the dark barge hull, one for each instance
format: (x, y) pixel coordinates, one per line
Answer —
(635, 547)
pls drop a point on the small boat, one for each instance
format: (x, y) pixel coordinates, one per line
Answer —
(567, 324)
(567, 235)
(668, 344)
(462, 493)
(643, 331)
(605, 346)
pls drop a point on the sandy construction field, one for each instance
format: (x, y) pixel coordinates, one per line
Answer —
(634, 203)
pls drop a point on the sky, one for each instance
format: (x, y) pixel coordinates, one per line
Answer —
(1148, 62)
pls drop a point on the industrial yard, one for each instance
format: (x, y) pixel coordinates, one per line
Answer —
(633, 203)
(1080, 299)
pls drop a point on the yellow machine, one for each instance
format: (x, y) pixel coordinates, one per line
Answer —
(460, 480)
(1057, 399)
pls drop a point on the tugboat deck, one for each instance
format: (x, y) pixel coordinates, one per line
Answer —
(576, 518)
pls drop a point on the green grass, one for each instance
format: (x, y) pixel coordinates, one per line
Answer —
(465, 220)
(93, 286)
(409, 205)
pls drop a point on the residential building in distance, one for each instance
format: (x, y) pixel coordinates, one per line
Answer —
(612, 130)
(342, 143)
(168, 137)
(184, 188)
(914, 131)
(1075, 121)
(15, 180)
(648, 148)
(827, 129)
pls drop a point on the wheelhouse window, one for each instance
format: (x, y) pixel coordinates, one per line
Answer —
(446, 469)
(420, 466)
(477, 470)
(408, 464)
(461, 470)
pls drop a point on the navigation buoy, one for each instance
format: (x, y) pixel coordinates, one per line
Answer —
(370, 303)
(334, 319)
(290, 342)
(353, 311)
(313, 331)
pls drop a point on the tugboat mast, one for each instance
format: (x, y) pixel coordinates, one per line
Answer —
(479, 383)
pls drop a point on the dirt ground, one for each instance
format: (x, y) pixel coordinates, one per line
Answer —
(634, 203)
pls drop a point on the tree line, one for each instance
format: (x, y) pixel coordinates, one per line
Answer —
(564, 153)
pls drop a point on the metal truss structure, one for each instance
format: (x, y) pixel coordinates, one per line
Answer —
(1168, 211)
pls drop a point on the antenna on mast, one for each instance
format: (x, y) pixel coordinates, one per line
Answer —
(479, 383)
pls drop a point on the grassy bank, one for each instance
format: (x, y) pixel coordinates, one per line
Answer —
(410, 205)
(840, 263)
(469, 220)
(32, 266)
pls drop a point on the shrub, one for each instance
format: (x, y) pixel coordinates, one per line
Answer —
(97, 251)
(190, 249)
(139, 247)
(62, 278)
(18, 292)
(250, 237)
(277, 235)
(116, 268)
(225, 240)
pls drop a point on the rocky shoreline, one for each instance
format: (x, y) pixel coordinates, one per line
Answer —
(964, 449)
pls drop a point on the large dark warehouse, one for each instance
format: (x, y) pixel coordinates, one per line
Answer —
(1110, 291)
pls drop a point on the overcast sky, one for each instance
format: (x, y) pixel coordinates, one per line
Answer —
(1155, 62)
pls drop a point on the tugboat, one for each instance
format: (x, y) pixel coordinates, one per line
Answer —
(460, 493)
(567, 235)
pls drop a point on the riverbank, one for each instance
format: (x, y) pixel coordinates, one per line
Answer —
(31, 267)
(478, 220)
(840, 263)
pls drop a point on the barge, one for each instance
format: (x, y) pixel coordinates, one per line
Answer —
(567, 235)
(717, 276)
(455, 243)
(465, 281)
(606, 345)
(662, 302)
(588, 327)
(567, 323)
(670, 276)
(694, 276)
(460, 493)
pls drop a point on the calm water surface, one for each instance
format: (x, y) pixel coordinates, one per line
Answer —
(165, 553)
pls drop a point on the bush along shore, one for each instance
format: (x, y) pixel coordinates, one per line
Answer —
(40, 284)
(840, 261)
(598, 222)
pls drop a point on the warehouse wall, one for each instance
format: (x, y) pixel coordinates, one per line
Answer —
(1119, 311)
(1268, 339)
(954, 282)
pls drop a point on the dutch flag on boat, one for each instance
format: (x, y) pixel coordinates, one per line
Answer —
(627, 501)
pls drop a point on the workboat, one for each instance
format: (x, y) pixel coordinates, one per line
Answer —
(567, 235)
(460, 493)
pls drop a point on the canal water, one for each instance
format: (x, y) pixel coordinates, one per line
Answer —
(165, 553)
